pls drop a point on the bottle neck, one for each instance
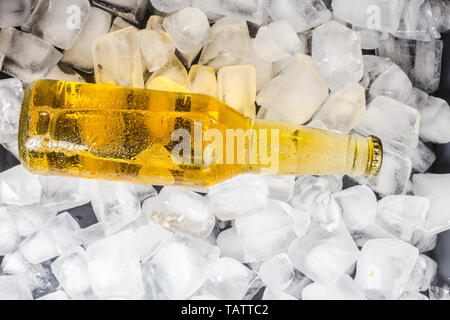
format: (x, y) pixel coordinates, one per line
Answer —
(286, 149)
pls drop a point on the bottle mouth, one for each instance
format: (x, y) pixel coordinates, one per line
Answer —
(375, 160)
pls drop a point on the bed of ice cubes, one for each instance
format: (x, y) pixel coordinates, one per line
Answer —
(353, 66)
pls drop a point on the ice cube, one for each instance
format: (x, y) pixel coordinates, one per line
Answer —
(202, 79)
(63, 193)
(422, 157)
(91, 234)
(25, 56)
(113, 267)
(250, 10)
(383, 77)
(181, 267)
(156, 48)
(296, 94)
(230, 245)
(435, 187)
(324, 256)
(382, 15)
(80, 55)
(241, 196)
(277, 272)
(359, 206)
(270, 294)
(72, 273)
(9, 237)
(19, 187)
(394, 173)
(169, 6)
(422, 275)
(267, 233)
(38, 277)
(371, 39)
(149, 239)
(337, 55)
(14, 12)
(188, 28)
(59, 22)
(174, 70)
(181, 210)
(413, 296)
(29, 219)
(441, 12)
(131, 10)
(384, 267)
(53, 239)
(435, 116)
(280, 187)
(143, 191)
(119, 24)
(277, 41)
(303, 15)
(56, 295)
(343, 289)
(344, 109)
(437, 293)
(237, 88)
(394, 122)
(14, 288)
(116, 204)
(228, 279)
(117, 59)
(11, 95)
(403, 215)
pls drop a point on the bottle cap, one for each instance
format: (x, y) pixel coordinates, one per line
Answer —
(375, 157)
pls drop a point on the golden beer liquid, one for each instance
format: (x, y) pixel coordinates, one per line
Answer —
(116, 133)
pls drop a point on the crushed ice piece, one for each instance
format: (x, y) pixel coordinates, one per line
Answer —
(277, 272)
(19, 187)
(14, 13)
(80, 55)
(240, 196)
(9, 236)
(402, 216)
(277, 41)
(202, 79)
(188, 28)
(324, 256)
(237, 88)
(303, 15)
(117, 59)
(435, 187)
(228, 279)
(337, 55)
(181, 210)
(267, 233)
(59, 22)
(381, 15)
(130, 10)
(14, 287)
(297, 93)
(250, 10)
(53, 239)
(113, 266)
(342, 289)
(384, 267)
(181, 266)
(344, 109)
(359, 206)
(394, 173)
(25, 56)
(114, 203)
(71, 271)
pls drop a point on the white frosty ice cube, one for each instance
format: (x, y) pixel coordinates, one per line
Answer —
(156, 48)
(265, 234)
(422, 275)
(303, 15)
(337, 55)
(56, 295)
(9, 237)
(14, 12)
(435, 116)
(230, 244)
(169, 6)
(80, 54)
(19, 187)
(113, 266)
(324, 256)
(422, 157)
(277, 272)
(149, 239)
(14, 288)
(280, 188)
(251, 10)
(11, 95)
(342, 289)
(25, 56)
(384, 267)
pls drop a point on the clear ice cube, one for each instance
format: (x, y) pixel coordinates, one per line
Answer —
(19, 187)
(14, 12)
(14, 288)
(9, 236)
(342, 289)
(202, 79)
(11, 95)
(277, 272)
(169, 6)
(250, 10)
(131, 10)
